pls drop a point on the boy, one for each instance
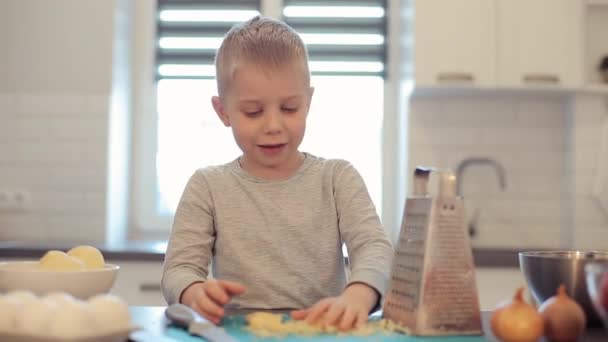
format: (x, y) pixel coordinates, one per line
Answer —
(272, 222)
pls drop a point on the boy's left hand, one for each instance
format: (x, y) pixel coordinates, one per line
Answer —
(347, 311)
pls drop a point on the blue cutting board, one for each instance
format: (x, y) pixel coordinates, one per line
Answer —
(236, 327)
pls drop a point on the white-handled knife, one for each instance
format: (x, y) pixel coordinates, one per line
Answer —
(186, 317)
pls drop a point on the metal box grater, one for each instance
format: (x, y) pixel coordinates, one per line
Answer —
(432, 290)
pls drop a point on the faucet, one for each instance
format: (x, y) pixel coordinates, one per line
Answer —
(502, 181)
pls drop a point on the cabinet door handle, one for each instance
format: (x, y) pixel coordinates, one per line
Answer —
(149, 287)
(455, 77)
(542, 78)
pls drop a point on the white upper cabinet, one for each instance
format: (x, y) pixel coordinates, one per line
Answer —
(454, 42)
(539, 43)
(498, 43)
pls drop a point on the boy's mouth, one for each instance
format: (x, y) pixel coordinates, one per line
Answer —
(272, 148)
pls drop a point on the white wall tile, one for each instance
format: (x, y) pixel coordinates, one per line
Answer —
(49, 153)
(7, 156)
(588, 212)
(587, 134)
(96, 202)
(478, 111)
(38, 104)
(28, 177)
(8, 105)
(77, 229)
(518, 236)
(23, 227)
(592, 238)
(584, 181)
(536, 184)
(79, 128)
(57, 202)
(8, 133)
(542, 113)
(97, 104)
(31, 128)
(456, 136)
(76, 178)
(95, 154)
(540, 211)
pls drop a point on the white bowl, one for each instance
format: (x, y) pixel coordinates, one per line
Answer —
(118, 336)
(82, 284)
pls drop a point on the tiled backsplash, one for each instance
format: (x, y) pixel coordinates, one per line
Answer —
(54, 147)
(548, 149)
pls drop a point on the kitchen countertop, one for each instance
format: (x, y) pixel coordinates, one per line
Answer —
(154, 326)
(155, 251)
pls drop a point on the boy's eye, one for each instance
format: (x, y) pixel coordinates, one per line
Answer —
(253, 113)
(289, 109)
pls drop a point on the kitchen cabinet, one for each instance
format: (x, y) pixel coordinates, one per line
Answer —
(138, 282)
(497, 43)
(539, 43)
(454, 43)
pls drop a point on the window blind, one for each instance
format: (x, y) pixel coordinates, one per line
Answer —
(343, 37)
(190, 31)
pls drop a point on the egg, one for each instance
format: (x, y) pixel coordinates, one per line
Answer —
(22, 296)
(60, 261)
(111, 313)
(8, 311)
(59, 298)
(90, 256)
(73, 320)
(33, 317)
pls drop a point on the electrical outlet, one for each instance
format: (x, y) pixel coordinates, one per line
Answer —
(12, 200)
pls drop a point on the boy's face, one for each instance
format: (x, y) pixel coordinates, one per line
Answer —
(267, 110)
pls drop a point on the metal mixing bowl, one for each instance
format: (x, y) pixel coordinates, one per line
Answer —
(544, 272)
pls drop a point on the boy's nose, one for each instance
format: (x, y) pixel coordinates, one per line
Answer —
(274, 122)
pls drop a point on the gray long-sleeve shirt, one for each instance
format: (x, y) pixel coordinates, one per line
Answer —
(281, 239)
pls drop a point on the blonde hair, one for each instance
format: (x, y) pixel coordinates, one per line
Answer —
(264, 41)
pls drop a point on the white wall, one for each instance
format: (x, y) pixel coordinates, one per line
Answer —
(55, 94)
(4, 55)
(548, 145)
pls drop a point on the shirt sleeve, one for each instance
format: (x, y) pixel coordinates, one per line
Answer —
(370, 251)
(191, 241)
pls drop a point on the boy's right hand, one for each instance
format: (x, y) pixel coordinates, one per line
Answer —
(208, 298)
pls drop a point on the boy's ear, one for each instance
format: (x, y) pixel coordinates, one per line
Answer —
(219, 110)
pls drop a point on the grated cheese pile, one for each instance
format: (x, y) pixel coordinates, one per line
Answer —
(264, 324)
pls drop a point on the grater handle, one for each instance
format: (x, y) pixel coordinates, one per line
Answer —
(421, 180)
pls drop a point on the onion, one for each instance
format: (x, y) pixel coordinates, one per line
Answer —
(516, 320)
(564, 318)
(604, 290)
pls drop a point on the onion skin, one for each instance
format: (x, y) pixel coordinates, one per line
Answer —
(564, 318)
(604, 291)
(516, 321)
